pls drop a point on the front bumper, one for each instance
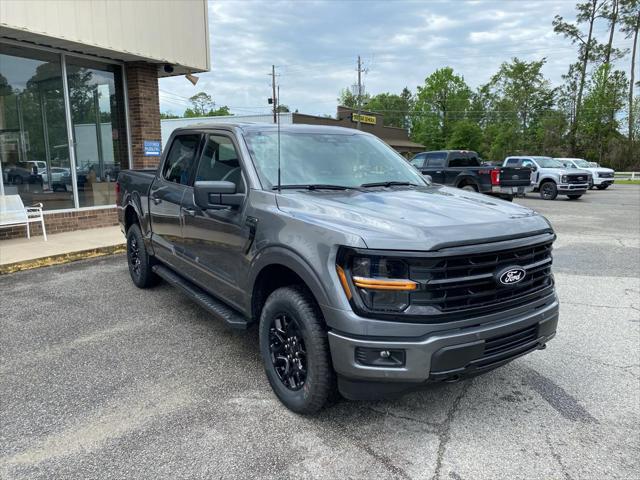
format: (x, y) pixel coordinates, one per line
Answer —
(603, 181)
(441, 355)
(572, 188)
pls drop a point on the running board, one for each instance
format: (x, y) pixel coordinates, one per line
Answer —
(202, 298)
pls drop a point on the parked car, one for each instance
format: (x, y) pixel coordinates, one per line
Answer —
(22, 173)
(463, 169)
(40, 166)
(601, 177)
(361, 274)
(551, 178)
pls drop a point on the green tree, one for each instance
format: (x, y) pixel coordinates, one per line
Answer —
(465, 135)
(521, 95)
(588, 49)
(201, 105)
(349, 100)
(283, 109)
(630, 19)
(443, 100)
(395, 108)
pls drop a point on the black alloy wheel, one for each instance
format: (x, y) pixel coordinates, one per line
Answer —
(138, 259)
(288, 353)
(548, 191)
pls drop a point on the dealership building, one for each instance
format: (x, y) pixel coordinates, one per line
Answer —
(79, 97)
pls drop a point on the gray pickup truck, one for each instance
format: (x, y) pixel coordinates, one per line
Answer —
(360, 275)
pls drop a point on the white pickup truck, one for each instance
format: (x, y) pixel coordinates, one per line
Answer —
(551, 177)
(601, 177)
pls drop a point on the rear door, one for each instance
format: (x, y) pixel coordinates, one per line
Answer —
(215, 240)
(166, 192)
(435, 166)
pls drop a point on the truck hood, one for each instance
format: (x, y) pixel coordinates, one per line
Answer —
(600, 170)
(420, 218)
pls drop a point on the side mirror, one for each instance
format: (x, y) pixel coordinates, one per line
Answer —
(216, 194)
(534, 168)
(428, 179)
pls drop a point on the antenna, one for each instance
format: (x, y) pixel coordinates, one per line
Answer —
(278, 123)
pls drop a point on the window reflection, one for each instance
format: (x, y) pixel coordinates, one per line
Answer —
(97, 100)
(34, 156)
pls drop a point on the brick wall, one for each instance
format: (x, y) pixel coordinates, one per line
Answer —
(144, 110)
(66, 222)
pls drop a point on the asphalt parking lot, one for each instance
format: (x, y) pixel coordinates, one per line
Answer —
(101, 380)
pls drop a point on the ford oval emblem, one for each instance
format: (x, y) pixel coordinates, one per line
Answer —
(511, 275)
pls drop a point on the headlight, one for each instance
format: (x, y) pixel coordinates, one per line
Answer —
(563, 179)
(380, 284)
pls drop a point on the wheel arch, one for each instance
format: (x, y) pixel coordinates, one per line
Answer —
(279, 267)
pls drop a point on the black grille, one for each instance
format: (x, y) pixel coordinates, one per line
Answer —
(575, 178)
(512, 341)
(457, 283)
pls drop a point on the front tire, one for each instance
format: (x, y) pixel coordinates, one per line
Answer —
(139, 261)
(548, 190)
(602, 187)
(295, 350)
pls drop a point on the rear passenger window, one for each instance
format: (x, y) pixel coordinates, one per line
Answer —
(513, 162)
(464, 160)
(219, 162)
(436, 159)
(181, 158)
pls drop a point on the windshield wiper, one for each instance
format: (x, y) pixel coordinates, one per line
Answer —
(313, 186)
(387, 184)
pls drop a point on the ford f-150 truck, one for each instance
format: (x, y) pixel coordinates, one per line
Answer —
(463, 169)
(361, 276)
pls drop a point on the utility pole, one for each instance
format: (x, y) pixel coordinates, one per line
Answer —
(274, 98)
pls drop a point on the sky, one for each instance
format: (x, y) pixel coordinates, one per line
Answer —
(315, 44)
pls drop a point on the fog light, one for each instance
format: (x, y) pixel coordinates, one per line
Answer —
(380, 357)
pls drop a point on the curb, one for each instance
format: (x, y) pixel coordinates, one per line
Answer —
(62, 258)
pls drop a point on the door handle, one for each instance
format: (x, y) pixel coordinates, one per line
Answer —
(156, 200)
(189, 211)
(439, 171)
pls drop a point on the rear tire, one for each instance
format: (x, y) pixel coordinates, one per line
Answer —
(548, 190)
(574, 197)
(469, 188)
(139, 260)
(295, 350)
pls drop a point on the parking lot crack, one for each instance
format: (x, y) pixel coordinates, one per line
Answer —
(434, 427)
(558, 458)
(444, 431)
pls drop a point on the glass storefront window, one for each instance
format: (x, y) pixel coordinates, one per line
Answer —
(34, 155)
(99, 132)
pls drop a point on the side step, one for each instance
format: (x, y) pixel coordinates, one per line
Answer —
(208, 302)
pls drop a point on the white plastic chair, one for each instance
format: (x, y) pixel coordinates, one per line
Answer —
(13, 212)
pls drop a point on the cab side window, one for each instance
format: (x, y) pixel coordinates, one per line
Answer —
(219, 162)
(514, 161)
(527, 163)
(418, 161)
(180, 159)
(436, 160)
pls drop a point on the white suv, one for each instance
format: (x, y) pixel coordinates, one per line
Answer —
(601, 177)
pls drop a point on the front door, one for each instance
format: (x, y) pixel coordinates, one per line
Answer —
(434, 166)
(165, 195)
(215, 240)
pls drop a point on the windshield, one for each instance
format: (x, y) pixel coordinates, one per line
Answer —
(548, 162)
(327, 159)
(583, 163)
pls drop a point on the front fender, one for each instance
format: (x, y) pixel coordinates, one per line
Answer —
(278, 255)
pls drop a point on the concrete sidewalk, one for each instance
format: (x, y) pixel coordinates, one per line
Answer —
(23, 254)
